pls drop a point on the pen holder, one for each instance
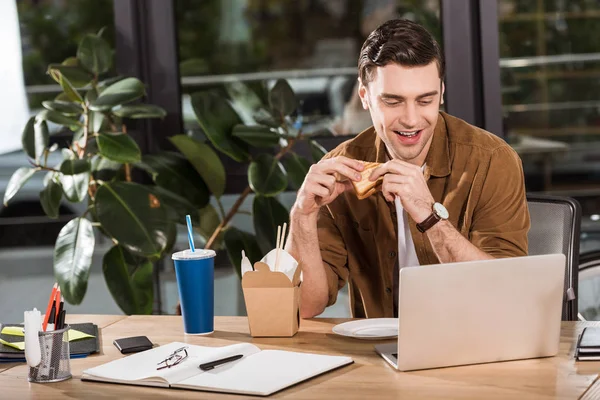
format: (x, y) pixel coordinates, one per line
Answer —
(55, 365)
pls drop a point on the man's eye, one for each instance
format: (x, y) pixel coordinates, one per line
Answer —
(425, 102)
(391, 103)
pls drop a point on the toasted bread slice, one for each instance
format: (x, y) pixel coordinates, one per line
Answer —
(365, 188)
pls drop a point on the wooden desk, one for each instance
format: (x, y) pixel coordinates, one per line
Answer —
(369, 377)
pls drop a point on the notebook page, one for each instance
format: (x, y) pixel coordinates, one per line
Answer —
(263, 373)
(140, 368)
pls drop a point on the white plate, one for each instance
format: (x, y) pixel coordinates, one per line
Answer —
(370, 328)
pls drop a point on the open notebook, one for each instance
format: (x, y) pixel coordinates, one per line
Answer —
(258, 372)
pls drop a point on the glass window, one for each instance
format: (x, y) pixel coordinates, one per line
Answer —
(36, 33)
(50, 33)
(550, 64)
(314, 44)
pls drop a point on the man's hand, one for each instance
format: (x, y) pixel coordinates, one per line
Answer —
(408, 183)
(325, 181)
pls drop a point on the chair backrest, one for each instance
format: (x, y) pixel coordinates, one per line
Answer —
(555, 228)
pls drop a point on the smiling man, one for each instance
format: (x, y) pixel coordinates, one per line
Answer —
(459, 190)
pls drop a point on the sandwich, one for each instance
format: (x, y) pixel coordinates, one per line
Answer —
(365, 187)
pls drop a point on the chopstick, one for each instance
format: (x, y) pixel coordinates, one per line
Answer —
(279, 244)
(277, 247)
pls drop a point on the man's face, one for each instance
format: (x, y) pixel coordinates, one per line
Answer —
(404, 103)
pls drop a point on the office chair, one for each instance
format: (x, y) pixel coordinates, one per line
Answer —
(555, 228)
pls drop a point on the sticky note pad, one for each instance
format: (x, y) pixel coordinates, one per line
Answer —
(16, 345)
(13, 330)
(78, 335)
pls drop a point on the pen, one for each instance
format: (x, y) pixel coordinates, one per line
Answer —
(58, 311)
(210, 365)
(59, 302)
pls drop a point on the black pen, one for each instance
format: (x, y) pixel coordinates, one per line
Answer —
(210, 365)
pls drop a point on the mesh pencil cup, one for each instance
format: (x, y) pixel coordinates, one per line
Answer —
(55, 365)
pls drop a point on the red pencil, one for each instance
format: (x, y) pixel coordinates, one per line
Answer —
(57, 302)
(47, 315)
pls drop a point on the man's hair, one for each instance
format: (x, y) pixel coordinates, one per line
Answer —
(399, 41)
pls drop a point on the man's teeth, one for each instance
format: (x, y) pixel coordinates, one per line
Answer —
(407, 134)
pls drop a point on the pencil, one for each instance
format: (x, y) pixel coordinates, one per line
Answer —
(49, 308)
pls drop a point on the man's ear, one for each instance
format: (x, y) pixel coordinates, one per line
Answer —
(363, 93)
(442, 96)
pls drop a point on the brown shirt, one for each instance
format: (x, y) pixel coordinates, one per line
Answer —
(474, 174)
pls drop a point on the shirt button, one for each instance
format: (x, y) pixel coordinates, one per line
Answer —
(388, 290)
(392, 254)
(355, 225)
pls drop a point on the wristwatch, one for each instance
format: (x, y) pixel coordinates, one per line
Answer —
(439, 213)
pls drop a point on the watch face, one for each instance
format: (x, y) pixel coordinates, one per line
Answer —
(440, 210)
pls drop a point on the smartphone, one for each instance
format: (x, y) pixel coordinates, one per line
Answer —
(133, 344)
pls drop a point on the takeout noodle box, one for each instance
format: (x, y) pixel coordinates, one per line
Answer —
(272, 301)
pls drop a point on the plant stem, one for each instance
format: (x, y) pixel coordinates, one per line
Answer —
(128, 172)
(228, 217)
(40, 167)
(221, 208)
(240, 200)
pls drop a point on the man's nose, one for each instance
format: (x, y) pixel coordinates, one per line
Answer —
(410, 119)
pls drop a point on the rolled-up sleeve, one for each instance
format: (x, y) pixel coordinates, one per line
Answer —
(333, 253)
(501, 217)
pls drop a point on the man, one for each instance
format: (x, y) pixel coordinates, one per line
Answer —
(436, 165)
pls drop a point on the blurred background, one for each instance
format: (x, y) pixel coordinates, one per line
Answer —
(526, 70)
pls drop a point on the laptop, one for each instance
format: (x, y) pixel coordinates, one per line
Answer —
(478, 312)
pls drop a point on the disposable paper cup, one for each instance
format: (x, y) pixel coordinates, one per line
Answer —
(195, 281)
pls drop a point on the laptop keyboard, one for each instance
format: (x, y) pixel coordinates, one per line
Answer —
(395, 355)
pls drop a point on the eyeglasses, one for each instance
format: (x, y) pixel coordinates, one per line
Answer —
(177, 357)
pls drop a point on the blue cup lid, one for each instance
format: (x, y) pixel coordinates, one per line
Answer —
(199, 254)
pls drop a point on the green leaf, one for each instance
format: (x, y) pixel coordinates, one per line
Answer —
(94, 54)
(77, 76)
(16, 182)
(50, 198)
(137, 111)
(282, 99)
(35, 138)
(296, 167)
(58, 118)
(64, 107)
(118, 147)
(209, 220)
(130, 285)
(75, 187)
(74, 167)
(123, 91)
(204, 159)
(73, 258)
(97, 120)
(257, 135)
(217, 119)
(316, 151)
(236, 241)
(66, 85)
(174, 173)
(263, 117)
(178, 207)
(104, 169)
(266, 176)
(135, 217)
(244, 100)
(267, 215)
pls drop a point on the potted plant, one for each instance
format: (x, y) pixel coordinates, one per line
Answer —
(259, 127)
(96, 169)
